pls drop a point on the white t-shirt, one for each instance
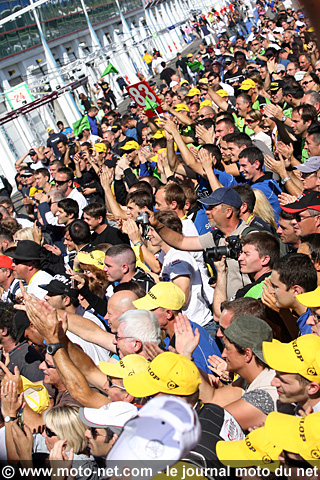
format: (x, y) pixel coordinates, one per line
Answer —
(177, 263)
(95, 352)
(39, 278)
(79, 198)
(263, 137)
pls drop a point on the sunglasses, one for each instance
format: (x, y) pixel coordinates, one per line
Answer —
(61, 182)
(49, 366)
(307, 82)
(227, 64)
(46, 153)
(201, 116)
(49, 433)
(249, 120)
(113, 385)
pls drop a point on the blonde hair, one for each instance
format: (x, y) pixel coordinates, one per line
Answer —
(256, 115)
(23, 234)
(65, 422)
(263, 208)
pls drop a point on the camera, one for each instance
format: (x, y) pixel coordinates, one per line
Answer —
(232, 250)
(143, 218)
(72, 147)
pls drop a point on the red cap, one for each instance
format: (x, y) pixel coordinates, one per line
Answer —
(5, 262)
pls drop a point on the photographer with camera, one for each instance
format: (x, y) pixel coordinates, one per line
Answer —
(67, 149)
(223, 209)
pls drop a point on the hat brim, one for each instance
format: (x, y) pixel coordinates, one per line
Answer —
(142, 385)
(310, 299)
(111, 369)
(145, 303)
(283, 430)
(279, 356)
(211, 202)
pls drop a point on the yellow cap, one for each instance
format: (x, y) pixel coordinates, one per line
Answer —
(296, 434)
(247, 84)
(253, 451)
(193, 92)
(35, 395)
(205, 103)
(181, 107)
(310, 299)
(49, 129)
(95, 258)
(159, 134)
(204, 80)
(34, 190)
(155, 157)
(100, 147)
(168, 373)
(127, 366)
(131, 145)
(301, 356)
(222, 93)
(184, 82)
(164, 295)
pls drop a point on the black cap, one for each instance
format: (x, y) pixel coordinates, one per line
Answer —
(133, 105)
(27, 172)
(20, 322)
(308, 200)
(26, 250)
(60, 285)
(115, 128)
(276, 85)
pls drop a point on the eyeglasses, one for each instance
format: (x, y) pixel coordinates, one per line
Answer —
(254, 44)
(317, 70)
(201, 116)
(300, 219)
(249, 120)
(306, 82)
(61, 182)
(49, 433)
(227, 64)
(120, 338)
(308, 175)
(222, 329)
(113, 385)
(316, 318)
(46, 153)
(49, 366)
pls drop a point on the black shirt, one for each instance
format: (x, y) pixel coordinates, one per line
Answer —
(52, 142)
(109, 235)
(166, 75)
(231, 78)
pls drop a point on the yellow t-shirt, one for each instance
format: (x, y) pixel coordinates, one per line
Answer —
(147, 58)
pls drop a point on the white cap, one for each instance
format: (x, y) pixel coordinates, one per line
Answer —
(298, 76)
(113, 415)
(165, 430)
(173, 83)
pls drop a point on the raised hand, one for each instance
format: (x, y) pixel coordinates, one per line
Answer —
(185, 340)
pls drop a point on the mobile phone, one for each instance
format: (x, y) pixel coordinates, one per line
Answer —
(20, 418)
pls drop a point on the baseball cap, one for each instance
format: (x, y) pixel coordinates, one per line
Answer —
(115, 128)
(301, 356)
(95, 258)
(300, 24)
(228, 58)
(168, 373)
(223, 195)
(127, 366)
(184, 82)
(280, 68)
(5, 262)
(295, 434)
(49, 129)
(276, 85)
(190, 55)
(113, 415)
(254, 450)
(131, 145)
(312, 164)
(100, 147)
(298, 76)
(165, 430)
(222, 93)
(164, 295)
(205, 103)
(310, 299)
(181, 107)
(309, 200)
(173, 83)
(204, 80)
(27, 172)
(159, 134)
(133, 105)
(60, 285)
(249, 332)
(193, 91)
(247, 84)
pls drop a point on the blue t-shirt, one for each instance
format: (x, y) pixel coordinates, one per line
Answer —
(271, 190)
(201, 222)
(207, 346)
(304, 329)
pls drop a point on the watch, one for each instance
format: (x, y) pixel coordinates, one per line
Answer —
(8, 419)
(52, 348)
(138, 244)
(284, 118)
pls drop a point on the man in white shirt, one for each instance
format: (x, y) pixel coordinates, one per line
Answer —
(26, 266)
(64, 183)
(181, 268)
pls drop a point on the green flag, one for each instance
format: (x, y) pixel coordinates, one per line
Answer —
(81, 125)
(110, 69)
(150, 105)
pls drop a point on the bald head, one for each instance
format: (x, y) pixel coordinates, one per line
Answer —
(119, 303)
(207, 111)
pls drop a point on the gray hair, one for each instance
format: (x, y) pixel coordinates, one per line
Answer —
(141, 325)
(56, 195)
